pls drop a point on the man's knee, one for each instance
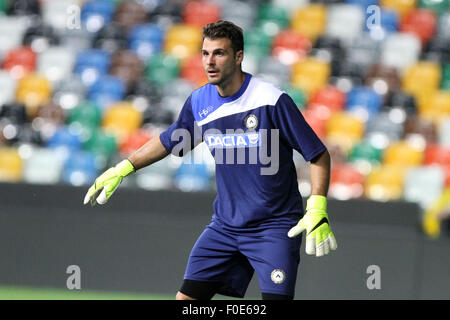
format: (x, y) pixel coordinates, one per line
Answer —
(182, 296)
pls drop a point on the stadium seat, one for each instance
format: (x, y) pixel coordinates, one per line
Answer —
(290, 47)
(257, 43)
(383, 129)
(80, 169)
(200, 13)
(183, 40)
(144, 94)
(33, 90)
(107, 90)
(12, 30)
(43, 165)
(385, 183)
(346, 182)
(49, 114)
(364, 157)
(55, 12)
(55, 63)
(310, 75)
(192, 70)
(121, 119)
(402, 153)
(11, 165)
(69, 92)
(385, 81)
(96, 13)
(444, 132)
(91, 64)
(330, 97)
(24, 8)
(444, 25)
(130, 13)
(40, 37)
(344, 130)
(424, 185)
(76, 40)
(86, 114)
(402, 101)
(274, 71)
(363, 102)
(437, 106)
(110, 38)
(437, 6)
(421, 22)
(400, 50)
(20, 61)
(445, 82)
(345, 22)
(241, 13)
(420, 127)
(103, 145)
(8, 85)
(162, 69)
(65, 138)
(310, 20)
(401, 7)
(146, 40)
(127, 66)
(317, 120)
(271, 19)
(192, 177)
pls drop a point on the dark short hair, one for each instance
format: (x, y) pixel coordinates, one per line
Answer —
(225, 29)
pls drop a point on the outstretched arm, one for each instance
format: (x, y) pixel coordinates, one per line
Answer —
(148, 154)
(107, 183)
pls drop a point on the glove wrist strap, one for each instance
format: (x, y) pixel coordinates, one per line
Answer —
(124, 168)
(316, 202)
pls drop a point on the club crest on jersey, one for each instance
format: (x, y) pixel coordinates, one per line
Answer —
(278, 276)
(251, 121)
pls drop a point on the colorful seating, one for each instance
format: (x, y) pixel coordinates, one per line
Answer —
(183, 40)
(346, 182)
(310, 75)
(385, 183)
(11, 165)
(310, 21)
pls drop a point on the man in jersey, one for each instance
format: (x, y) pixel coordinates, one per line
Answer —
(251, 127)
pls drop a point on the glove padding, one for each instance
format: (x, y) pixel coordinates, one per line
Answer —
(105, 185)
(319, 237)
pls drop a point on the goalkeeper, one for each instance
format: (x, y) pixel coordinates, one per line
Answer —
(258, 219)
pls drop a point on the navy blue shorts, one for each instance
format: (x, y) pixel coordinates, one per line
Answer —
(232, 258)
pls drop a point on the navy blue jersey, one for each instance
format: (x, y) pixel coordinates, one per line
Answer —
(251, 135)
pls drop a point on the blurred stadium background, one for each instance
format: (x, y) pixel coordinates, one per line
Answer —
(85, 83)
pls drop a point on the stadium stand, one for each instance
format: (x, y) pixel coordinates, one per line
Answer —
(85, 83)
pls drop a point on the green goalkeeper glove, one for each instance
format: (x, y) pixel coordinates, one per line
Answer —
(105, 185)
(319, 237)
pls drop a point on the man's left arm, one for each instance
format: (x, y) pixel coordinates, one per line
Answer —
(320, 240)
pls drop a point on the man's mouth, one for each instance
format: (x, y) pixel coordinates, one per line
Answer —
(212, 72)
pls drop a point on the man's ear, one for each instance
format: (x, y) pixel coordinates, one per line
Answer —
(239, 56)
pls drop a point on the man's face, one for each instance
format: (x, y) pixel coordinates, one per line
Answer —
(219, 60)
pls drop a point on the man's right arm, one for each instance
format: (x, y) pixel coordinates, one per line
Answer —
(148, 154)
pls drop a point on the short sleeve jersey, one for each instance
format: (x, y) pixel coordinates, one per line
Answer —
(251, 135)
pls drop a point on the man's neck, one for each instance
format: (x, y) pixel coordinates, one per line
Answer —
(231, 87)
